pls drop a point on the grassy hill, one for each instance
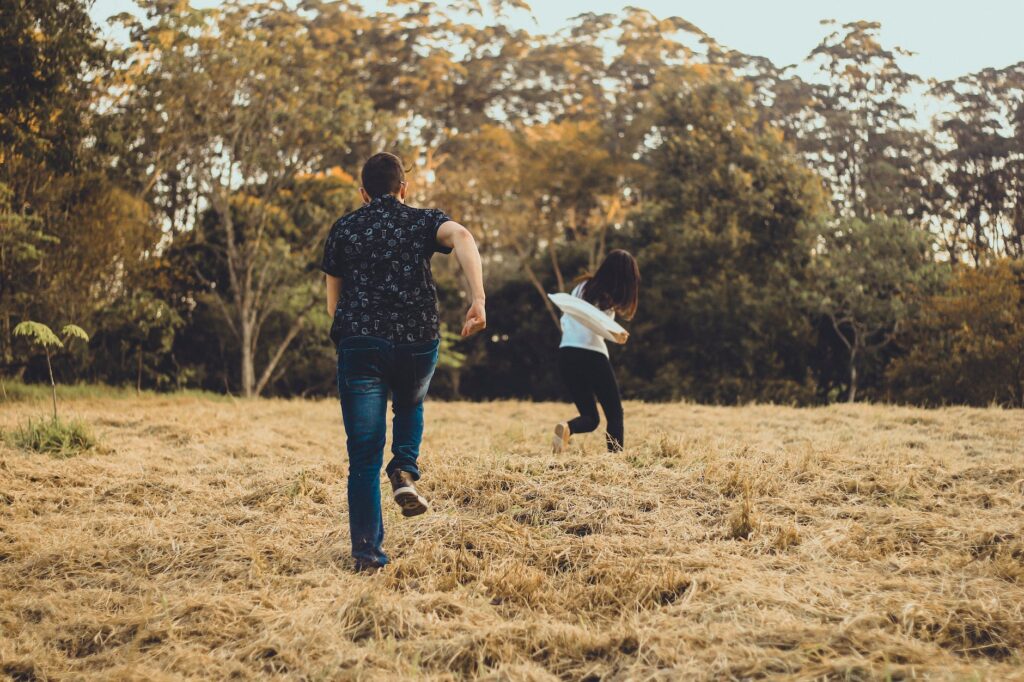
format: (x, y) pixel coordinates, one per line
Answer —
(207, 539)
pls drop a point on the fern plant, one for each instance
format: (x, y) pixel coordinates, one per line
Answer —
(41, 335)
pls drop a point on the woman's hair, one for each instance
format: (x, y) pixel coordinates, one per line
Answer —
(615, 285)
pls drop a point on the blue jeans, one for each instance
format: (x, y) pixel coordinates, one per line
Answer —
(368, 368)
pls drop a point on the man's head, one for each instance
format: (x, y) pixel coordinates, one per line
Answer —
(382, 174)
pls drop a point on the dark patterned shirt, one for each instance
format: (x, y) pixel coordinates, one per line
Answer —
(381, 251)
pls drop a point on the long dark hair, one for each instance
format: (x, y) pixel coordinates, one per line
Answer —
(615, 285)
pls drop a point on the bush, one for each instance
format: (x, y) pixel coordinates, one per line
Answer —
(968, 347)
(54, 437)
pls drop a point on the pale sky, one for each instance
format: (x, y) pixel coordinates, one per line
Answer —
(950, 37)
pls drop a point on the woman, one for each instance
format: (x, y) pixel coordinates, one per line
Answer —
(583, 356)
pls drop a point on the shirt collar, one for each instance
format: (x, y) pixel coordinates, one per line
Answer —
(384, 199)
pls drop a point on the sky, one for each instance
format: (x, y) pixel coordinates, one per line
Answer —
(950, 37)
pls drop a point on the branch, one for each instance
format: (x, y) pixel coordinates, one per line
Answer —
(536, 284)
(842, 337)
(216, 296)
(293, 331)
(555, 266)
(267, 281)
(223, 209)
(264, 296)
(601, 245)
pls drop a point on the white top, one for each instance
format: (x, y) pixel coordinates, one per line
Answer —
(575, 335)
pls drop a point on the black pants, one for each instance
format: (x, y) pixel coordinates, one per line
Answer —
(588, 374)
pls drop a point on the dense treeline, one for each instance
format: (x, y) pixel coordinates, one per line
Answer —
(804, 234)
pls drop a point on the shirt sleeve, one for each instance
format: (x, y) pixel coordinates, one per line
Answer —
(435, 220)
(331, 263)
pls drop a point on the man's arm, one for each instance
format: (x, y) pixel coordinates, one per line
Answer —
(333, 294)
(458, 238)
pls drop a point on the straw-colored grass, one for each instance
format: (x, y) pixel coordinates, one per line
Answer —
(207, 539)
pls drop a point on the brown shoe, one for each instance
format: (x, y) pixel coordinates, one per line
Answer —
(404, 489)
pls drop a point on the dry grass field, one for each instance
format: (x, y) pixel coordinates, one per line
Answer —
(206, 539)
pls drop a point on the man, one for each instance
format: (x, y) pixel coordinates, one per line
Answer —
(381, 294)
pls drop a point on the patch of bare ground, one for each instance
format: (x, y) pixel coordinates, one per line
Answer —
(207, 539)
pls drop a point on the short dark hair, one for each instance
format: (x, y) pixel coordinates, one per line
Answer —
(382, 174)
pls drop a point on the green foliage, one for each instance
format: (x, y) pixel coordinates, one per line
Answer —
(134, 341)
(173, 195)
(54, 437)
(73, 331)
(448, 356)
(864, 279)
(722, 246)
(43, 336)
(243, 86)
(968, 343)
(516, 355)
(39, 334)
(17, 391)
(69, 235)
(23, 245)
(980, 198)
(867, 145)
(43, 99)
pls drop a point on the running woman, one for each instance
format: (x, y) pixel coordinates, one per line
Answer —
(583, 355)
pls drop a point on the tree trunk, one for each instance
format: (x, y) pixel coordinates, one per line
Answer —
(852, 395)
(456, 383)
(293, 331)
(53, 384)
(248, 369)
(177, 371)
(8, 356)
(138, 376)
(851, 347)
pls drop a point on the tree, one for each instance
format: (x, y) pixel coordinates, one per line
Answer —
(134, 339)
(532, 191)
(42, 336)
(239, 103)
(967, 344)
(290, 230)
(50, 54)
(980, 201)
(23, 243)
(47, 46)
(432, 71)
(864, 140)
(722, 239)
(173, 194)
(864, 279)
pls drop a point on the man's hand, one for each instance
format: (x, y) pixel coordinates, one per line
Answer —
(476, 319)
(620, 337)
(458, 238)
